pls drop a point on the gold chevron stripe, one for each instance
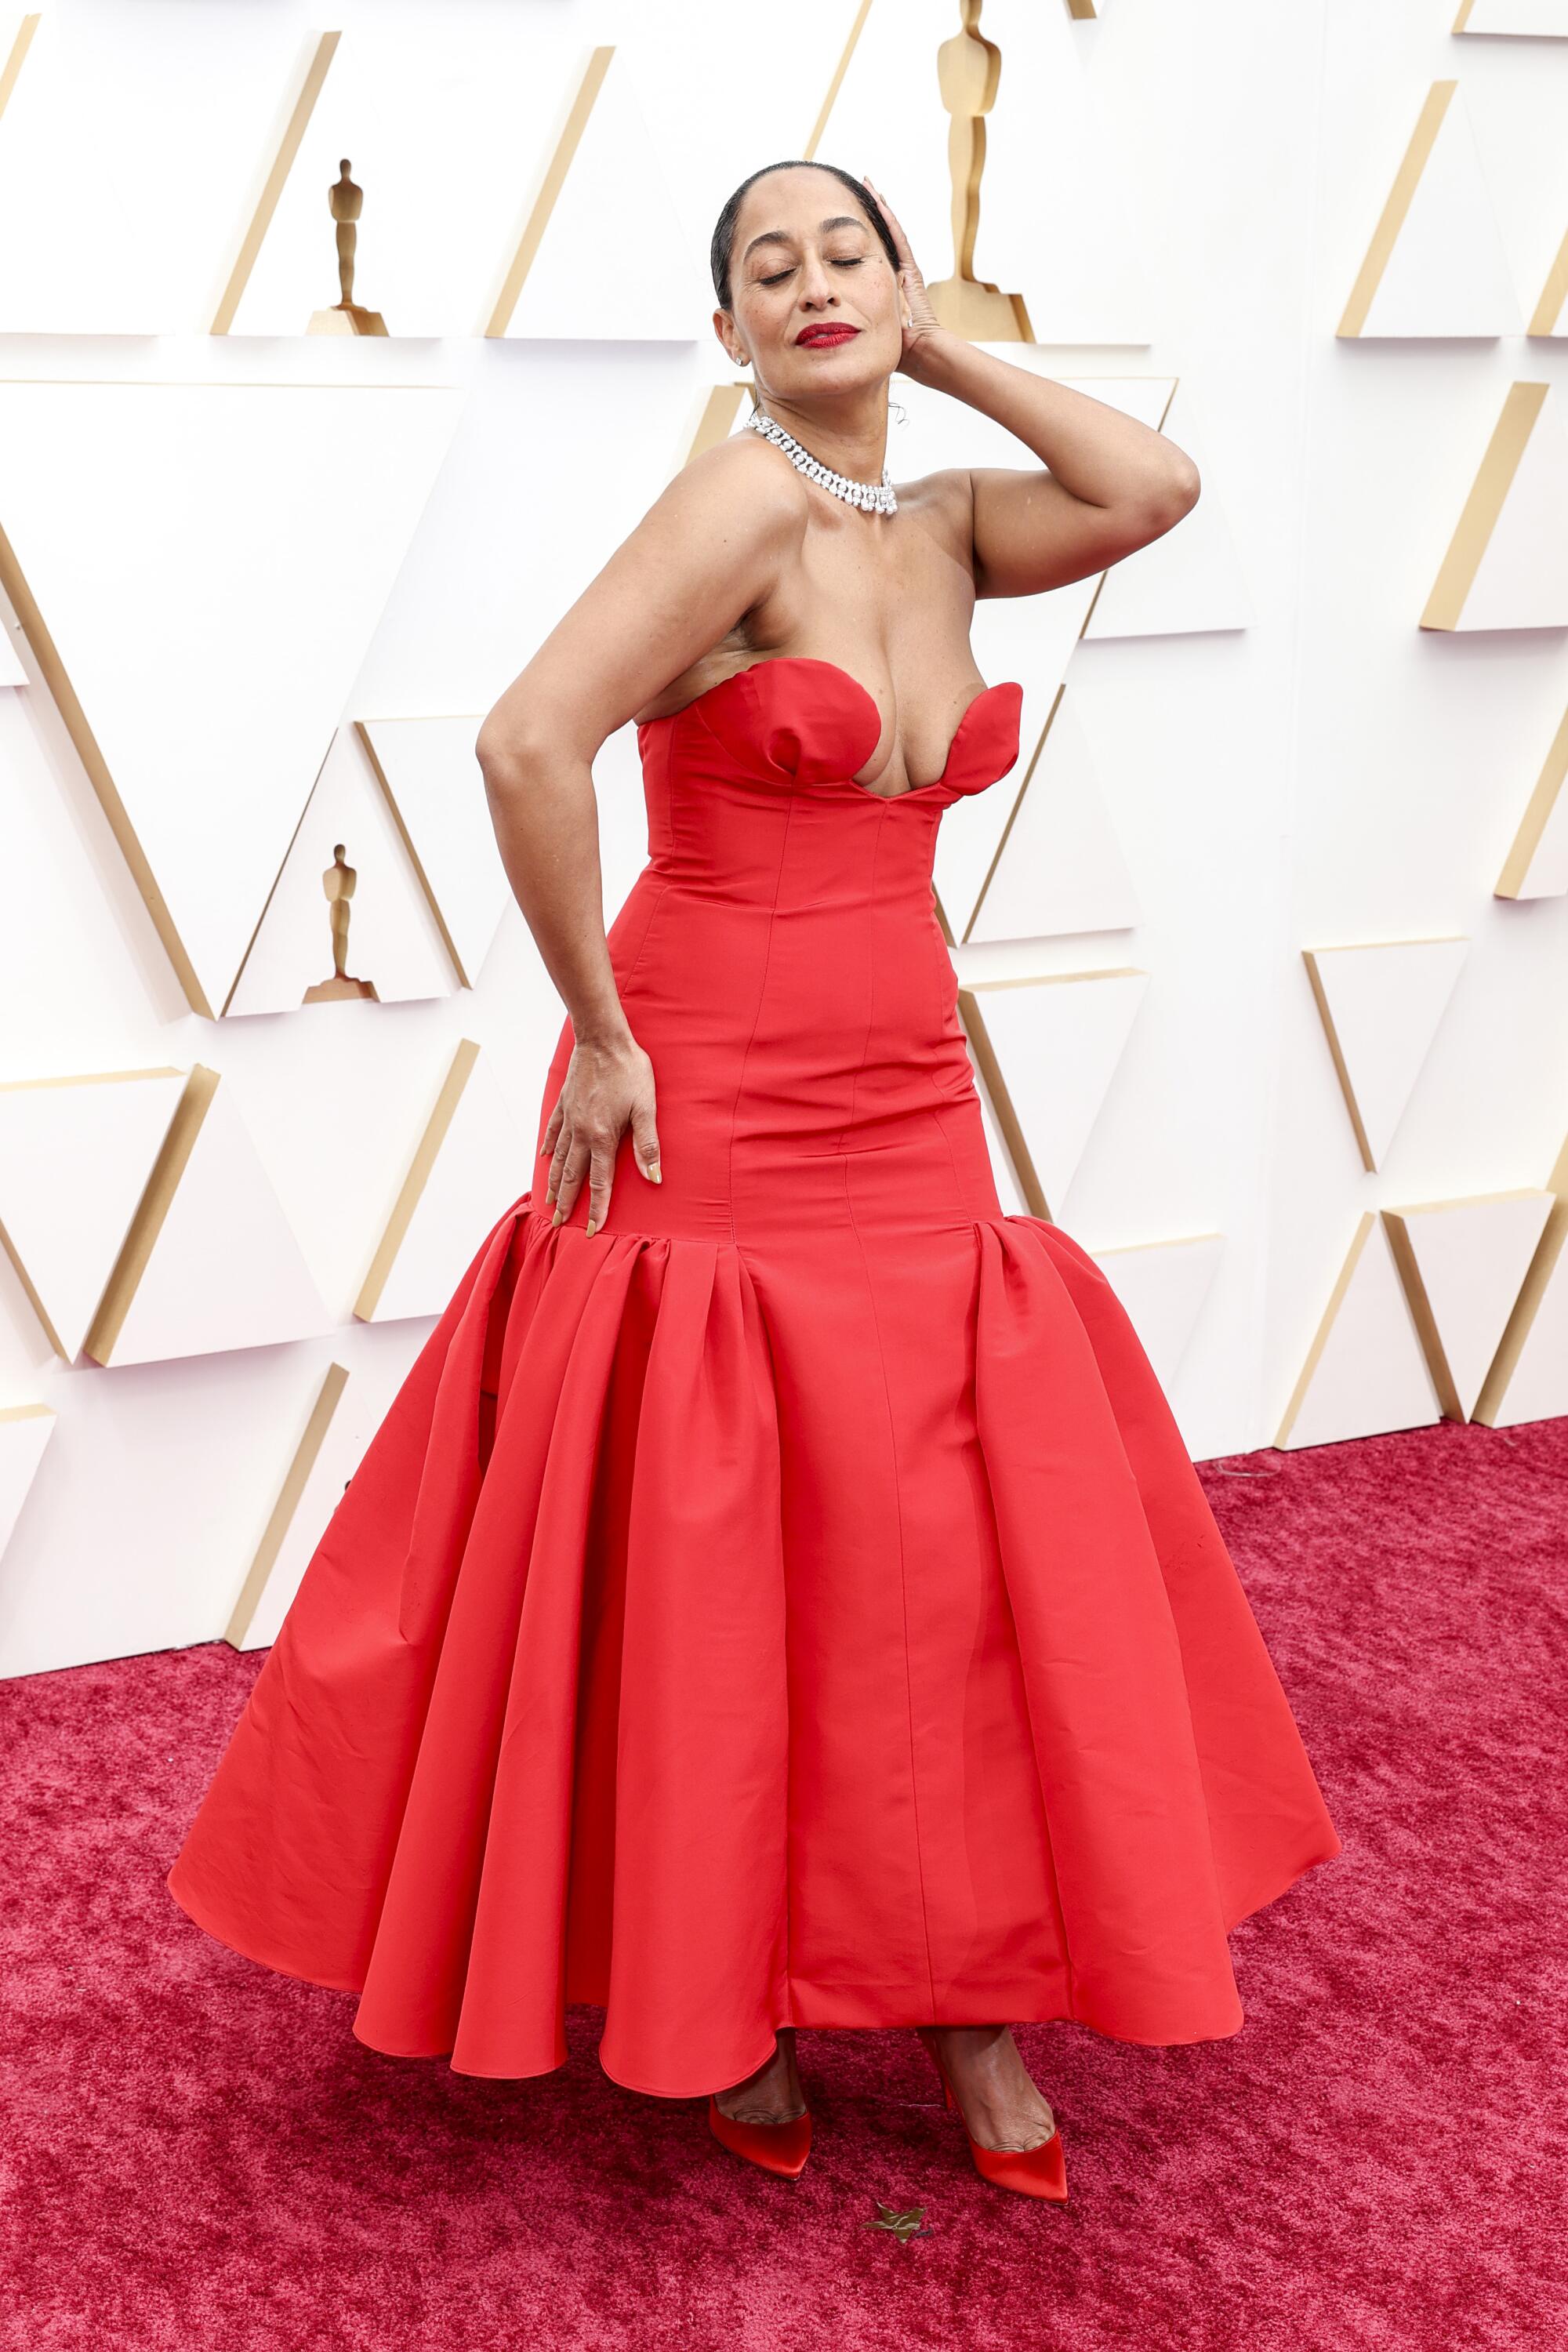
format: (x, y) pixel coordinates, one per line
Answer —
(418, 1176)
(147, 1223)
(1320, 1338)
(1406, 182)
(317, 61)
(1488, 491)
(288, 1503)
(1515, 874)
(554, 179)
(1549, 310)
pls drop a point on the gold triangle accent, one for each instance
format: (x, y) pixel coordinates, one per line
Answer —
(1420, 1304)
(317, 59)
(26, 1412)
(1549, 310)
(17, 1086)
(418, 1176)
(1472, 533)
(12, 66)
(287, 1504)
(1533, 824)
(543, 205)
(1321, 1338)
(74, 718)
(1341, 1068)
(1406, 180)
(147, 1223)
(1396, 1225)
(1527, 1305)
(448, 941)
(808, 152)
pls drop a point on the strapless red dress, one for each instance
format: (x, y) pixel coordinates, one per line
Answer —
(792, 1605)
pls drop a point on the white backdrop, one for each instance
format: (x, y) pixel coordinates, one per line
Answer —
(246, 555)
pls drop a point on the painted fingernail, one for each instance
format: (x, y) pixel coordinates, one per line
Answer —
(555, 1220)
(591, 1226)
(654, 1176)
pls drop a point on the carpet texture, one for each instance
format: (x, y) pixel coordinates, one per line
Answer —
(196, 2154)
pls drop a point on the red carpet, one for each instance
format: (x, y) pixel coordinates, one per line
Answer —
(197, 2154)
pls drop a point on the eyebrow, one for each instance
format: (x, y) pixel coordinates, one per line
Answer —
(781, 237)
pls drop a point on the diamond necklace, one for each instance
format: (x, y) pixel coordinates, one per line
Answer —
(875, 498)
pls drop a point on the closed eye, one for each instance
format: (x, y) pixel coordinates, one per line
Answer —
(849, 261)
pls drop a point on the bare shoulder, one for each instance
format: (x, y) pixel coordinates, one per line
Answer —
(740, 486)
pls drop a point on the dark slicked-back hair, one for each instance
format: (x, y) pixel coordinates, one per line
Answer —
(724, 228)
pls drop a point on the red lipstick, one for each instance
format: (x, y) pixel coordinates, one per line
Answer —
(825, 337)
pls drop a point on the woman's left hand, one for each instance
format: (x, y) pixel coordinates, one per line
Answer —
(914, 302)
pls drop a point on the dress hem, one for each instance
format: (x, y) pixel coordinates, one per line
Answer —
(816, 2024)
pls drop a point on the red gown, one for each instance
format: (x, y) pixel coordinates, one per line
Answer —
(792, 1605)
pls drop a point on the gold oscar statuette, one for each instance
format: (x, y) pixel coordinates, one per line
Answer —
(346, 317)
(338, 882)
(969, 67)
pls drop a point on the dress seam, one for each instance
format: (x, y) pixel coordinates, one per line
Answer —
(756, 1020)
(903, 1584)
(849, 1126)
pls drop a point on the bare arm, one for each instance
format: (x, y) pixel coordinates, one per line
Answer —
(1107, 485)
(706, 551)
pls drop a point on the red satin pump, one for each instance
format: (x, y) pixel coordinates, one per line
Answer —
(1039, 2171)
(777, 2147)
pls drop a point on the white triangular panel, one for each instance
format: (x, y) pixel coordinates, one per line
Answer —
(392, 939)
(433, 780)
(1162, 1286)
(1472, 1257)
(1057, 215)
(75, 1155)
(1521, 579)
(243, 539)
(1061, 867)
(129, 153)
(1540, 20)
(1446, 273)
(25, 1431)
(483, 1164)
(11, 670)
(446, 118)
(1384, 1005)
(614, 182)
(1537, 1389)
(226, 1270)
(367, 1396)
(1057, 1041)
(1188, 581)
(1370, 1374)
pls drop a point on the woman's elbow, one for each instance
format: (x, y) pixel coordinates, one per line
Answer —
(504, 751)
(1166, 499)
(1179, 491)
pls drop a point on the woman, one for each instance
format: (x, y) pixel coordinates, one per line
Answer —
(779, 1594)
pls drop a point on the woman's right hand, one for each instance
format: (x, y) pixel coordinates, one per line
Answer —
(607, 1087)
